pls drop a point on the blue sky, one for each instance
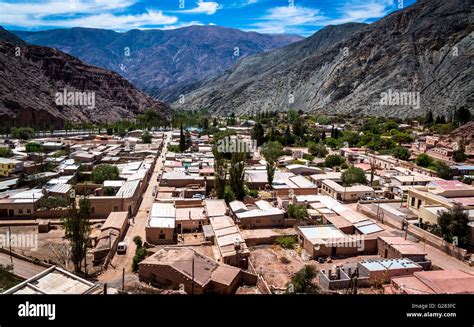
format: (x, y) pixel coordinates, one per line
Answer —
(302, 17)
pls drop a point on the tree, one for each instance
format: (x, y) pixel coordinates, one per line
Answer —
(353, 175)
(182, 139)
(454, 225)
(220, 168)
(146, 137)
(402, 137)
(231, 121)
(302, 281)
(429, 118)
(77, 230)
(401, 153)
(462, 115)
(22, 133)
(334, 160)
(390, 125)
(317, 149)
(258, 133)
(286, 242)
(271, 167)
(323, 135)
(288, 137)
(296, 211)
(272, 150)
(205, 123)
(443, 171)
(140, 253)
(460, 154)
(104, 172)
(7, 278)
(187, 140)
(6, 152)
(237, 175)
(424, 160)
(229, 195)
(33, 147)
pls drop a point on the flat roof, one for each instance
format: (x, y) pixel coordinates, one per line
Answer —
(128, 189)
(320, 233)
(53, 281)
(60, 188)
(389, 264)
(368, 227)
(355, 188)
(116, 220)
(215, 207)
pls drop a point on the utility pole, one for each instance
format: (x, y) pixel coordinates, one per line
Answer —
(123, 279)
(192, 285)
(10, 242)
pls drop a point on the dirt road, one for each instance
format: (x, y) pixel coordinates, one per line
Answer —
(137, 226)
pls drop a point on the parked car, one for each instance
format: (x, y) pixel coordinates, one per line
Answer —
(122, 248)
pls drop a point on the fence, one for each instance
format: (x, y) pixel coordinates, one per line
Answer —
(425, 236)
(261, 283)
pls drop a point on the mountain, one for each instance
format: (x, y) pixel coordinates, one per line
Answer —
(6, 36)
(34, 80)
(164, 63)
(425, 48)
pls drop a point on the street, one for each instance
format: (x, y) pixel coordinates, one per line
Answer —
(137, 225)
(21, 268)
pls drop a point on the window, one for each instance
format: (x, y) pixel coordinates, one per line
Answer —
(161, 236)
(419, 204)
(28, 210)
(20, 210)
(115, 208)
(412, 202)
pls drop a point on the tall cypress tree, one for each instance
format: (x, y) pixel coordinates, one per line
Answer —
(182, 140)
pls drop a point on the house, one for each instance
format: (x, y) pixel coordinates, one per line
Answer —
(327, 240)
(397, 247)
(346, 194)
(385, 269)
(232, 248)
(111, 232)
(440, 196)
(303, 170)
(10, 166)
(185, 268)
(190, 215)
(161, 224)
(262, 214)
(54, 280)
(433, 282)
(368, 272)
(127, 198)
(20, 203)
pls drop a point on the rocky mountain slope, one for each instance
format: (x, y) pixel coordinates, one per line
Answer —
(33, 77)
(164, 63)
(426, 48)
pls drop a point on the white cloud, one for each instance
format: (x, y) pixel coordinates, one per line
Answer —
(84, 13)
(288, 19)
(55, 7)
(203, 7)
(120, 22)
(361, 12)
(301, 20)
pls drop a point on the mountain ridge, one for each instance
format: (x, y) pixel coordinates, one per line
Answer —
(163, 63)
(404, 51)
(33, 76)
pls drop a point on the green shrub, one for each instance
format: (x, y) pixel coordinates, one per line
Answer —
(286, 242)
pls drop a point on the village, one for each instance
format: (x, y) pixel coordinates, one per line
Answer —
(231, 209)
